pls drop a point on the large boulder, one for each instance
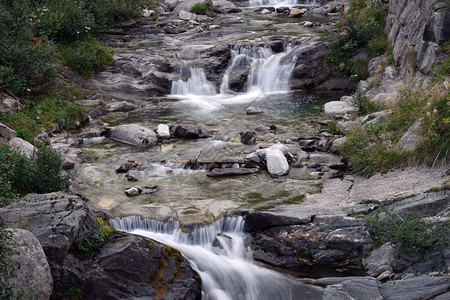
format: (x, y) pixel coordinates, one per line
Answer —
(187, 5)
(411, 139)
(238, 74)
(225, 7)
(33, 274)
(21, 145)
(189, 131)
(132, 267)
(55, 219)
(338, 109)
(135, 135)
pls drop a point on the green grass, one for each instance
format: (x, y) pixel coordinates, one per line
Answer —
(202, 8)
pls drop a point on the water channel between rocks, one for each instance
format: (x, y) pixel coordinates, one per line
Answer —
(189, 196)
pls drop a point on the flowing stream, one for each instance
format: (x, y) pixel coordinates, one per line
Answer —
(220, 255)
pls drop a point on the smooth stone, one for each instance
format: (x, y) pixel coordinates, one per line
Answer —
(265, 12)
(135, 135)
(248, 137)
(133, 191)
(187, 16)
(296, 13)
(22, 146)
(163, 131)
(251, 110)
(338, 109)
(277, 163)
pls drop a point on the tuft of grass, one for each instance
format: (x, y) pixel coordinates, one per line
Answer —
(365, 106)
(332, 128)
(202, 8)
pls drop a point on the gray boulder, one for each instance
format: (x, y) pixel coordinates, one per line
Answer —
(411, 139)
(248, 137)
(187, 16)
(188, 131)
(380, 260)
(416, 288)
(171, 4)
(357, 288)
(135, 135)
(238, 74)
(33, 275)
(6, 132)
(338, 109)
(277, 163)
(9, 103)
(163, 131)
(23, 146)
(225, 7)
(187, 5)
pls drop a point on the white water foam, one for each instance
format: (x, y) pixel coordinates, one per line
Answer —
(220, 256)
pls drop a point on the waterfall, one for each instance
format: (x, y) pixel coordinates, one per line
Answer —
(275, 3)
(197, 84)
(220, 256)
(266, 75)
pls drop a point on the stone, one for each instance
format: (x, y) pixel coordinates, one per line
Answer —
(358, 288)
(251, 110)
(308, 24)
(174, 30)
(337, 144)
(33, 275)
(124, 168)
(131, 177)
(134, 135)
(188, 131)
(133, 191)
(120, 106)
(56, 219)
(283, 9)
(9, 103)
(411, 139)
(338, 109)
(277, 164)
(68, 163)
(420, 287)
(380, 260)
(253, 157)
(296, 13)
(231, 172)
(163, 132)
(23, 146)
(225, 7)
(187, 16)
(265, 12)
(171, 4)
(385, 275)
(6, 132)
(238, 74)
(187, 5)
(337, 83)
(302, 155)
(248, 137)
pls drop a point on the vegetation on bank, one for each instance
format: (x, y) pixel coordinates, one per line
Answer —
(202, 8)
(409, 232)
(361, 37)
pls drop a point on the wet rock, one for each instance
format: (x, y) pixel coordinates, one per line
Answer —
(248, 137)
(238, 74)
(253, 157)
(411, 139)
(23, 146)
(231, 172)
(262, 128)
(277, 164)
(174, 30)
(283, 10)
(133, 191)
(9, 103)
(229, 21)
(121, 106)
(135, 135)
(358, 288)
(380, 260)
(131, 177)
(225, 7)
(33, 275)
(308, 24)
(188, 131)
(296, 13)
(68, 163)
(265, 12)
(421, 287)
(163, 132)
(251, 110)
(171, 4)
(302, 155)
(124, 168)
(338, 109)
(6, 132)
(271, 9)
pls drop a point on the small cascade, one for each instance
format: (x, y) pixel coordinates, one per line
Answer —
(196, 84)
(267, 74)
(275, 3)
(219, 254)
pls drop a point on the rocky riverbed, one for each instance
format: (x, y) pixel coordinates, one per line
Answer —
(205, 150)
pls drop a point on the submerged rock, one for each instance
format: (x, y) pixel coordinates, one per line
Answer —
(133, 191)
(135, 135)
(251, 110)
(232, 172)
(248, 137)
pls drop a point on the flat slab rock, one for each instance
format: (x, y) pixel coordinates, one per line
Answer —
(232, 172)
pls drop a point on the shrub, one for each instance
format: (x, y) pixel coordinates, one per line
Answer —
(365, 106)
(27, 59)
(202, 8)
(86, 57)
(362, 31)
(332, 128)
(90, 242)
(408, 232)
(21, 175)
(7, 266)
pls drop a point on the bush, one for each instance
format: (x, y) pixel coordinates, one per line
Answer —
(91, 242)
(365, 106)
(27, 59)
(202, 8)
(86, 57)
(7, 266)
(21, 175)
(408, 232)
(362, 31)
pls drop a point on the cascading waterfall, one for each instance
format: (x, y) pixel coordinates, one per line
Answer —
(275, 3)
(267, 74)
(220, 256)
